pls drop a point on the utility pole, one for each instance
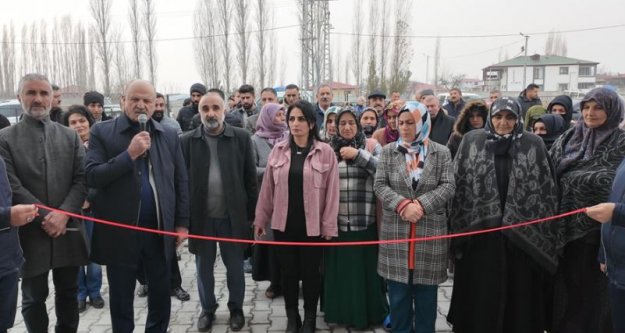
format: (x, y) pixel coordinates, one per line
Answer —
(525, 61)
(427, 68)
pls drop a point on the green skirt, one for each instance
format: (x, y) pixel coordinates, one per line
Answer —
(354, 293)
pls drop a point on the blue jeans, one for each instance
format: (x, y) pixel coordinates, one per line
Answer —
(617, 304)
(8, 300)
(232, 257)
(412, 304)
(89, 276)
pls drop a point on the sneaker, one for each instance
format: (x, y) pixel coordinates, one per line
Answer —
(205, 322)
(237, 320)
(143, 290)
(97, 302)
(82, 306)
(180, 294)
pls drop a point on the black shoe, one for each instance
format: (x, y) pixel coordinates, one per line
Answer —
(205, 322)
(294, 321)
(310, 323)
(82, 306)
(97, 302)
(143, 290)
(237, 321)
(180, 294)
(273, 292)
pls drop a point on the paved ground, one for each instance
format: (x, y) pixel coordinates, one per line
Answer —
(262, 314)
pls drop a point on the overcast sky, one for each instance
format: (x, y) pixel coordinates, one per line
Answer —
(177, 69)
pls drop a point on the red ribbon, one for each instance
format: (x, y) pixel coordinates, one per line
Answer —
(377, 242)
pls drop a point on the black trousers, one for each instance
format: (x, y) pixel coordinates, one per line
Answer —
(299, 263)
(122, 288)
(176, 278)
(8, 300)
(35, 292)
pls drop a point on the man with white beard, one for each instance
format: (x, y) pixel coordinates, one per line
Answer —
(220, 156)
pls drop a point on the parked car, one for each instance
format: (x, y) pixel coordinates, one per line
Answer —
(444, 97)
(112, 110)
(12, 109)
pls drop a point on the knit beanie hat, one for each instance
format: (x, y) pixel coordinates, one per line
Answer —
(93, 97)
(198, 88)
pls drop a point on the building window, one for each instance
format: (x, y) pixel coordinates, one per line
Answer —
(563, 86)
(586, 71)
(585, 85)
(564, 71)
(539, 73)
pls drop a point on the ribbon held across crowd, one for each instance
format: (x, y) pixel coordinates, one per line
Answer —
(361, 243)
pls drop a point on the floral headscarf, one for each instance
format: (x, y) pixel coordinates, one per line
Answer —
(416, 151)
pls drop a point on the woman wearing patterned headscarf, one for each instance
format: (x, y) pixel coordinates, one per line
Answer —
(414, 181)
(389, 132)
(271, 129)
(354, 292)
(503, 177)
(586, 158)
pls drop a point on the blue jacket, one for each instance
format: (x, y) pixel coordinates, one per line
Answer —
(11, 258)
(612, 251)
(117, 179)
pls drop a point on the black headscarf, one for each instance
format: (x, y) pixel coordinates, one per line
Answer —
(337, 142)
(567, 103)
(554, 124)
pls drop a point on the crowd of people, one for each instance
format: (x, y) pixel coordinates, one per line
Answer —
(293, 171)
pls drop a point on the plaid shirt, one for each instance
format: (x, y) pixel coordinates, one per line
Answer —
(357, 199)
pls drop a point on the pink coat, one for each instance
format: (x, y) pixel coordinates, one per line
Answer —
(321, 190)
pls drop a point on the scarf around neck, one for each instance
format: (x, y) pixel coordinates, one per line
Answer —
(415, 152)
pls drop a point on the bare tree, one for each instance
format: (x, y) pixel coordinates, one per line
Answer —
(149, 26)
(8, 60)
(135, 33)
(273, 60)
(261, 24)
(384, 41)
(372, 76)
(400, 60)
(437, 59)
(555, 44)
(224, 10)
(25, 63)
(101, 12)
(205, 48)
(357, 46)
(282, 70)
(122, 72)
(242, 14)
(91, 85)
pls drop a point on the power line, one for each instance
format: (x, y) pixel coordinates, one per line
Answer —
(480, 36)
(145, 40)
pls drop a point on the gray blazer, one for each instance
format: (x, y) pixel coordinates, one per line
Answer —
(436, 187)
(45, 165)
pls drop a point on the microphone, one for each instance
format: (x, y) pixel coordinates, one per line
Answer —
(143, 122)
(143, 126)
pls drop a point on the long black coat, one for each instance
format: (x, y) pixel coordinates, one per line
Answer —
(45, 165)
(442, 128)
(238, 169)
(117, 181)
